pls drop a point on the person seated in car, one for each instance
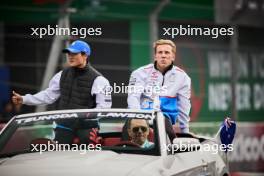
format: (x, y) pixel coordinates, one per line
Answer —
(138, 131)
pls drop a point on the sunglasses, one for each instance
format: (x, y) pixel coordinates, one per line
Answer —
(136, 129)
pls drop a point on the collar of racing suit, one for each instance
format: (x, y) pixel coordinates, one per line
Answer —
(168, 68)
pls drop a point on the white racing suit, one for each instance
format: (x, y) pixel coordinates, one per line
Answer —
(149, 88)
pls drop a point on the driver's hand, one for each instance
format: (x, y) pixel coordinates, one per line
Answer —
(17, 98)
(93, 136)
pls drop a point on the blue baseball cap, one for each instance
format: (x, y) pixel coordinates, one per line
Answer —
(78, 46)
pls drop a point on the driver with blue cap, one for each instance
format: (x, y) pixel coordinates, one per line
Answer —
(79, 86)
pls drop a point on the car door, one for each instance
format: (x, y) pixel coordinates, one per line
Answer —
(184, 158)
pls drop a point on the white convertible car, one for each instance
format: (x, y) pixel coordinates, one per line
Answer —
(94, 142)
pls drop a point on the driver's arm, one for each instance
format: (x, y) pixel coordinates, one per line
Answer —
(136, 83)
(102, 95)
(184, 96)
(47, 96)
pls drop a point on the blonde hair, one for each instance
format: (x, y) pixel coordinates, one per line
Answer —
(164, 42)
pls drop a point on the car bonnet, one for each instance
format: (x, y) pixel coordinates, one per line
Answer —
(73, 163)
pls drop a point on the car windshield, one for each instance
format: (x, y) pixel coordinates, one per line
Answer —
(122, 132)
